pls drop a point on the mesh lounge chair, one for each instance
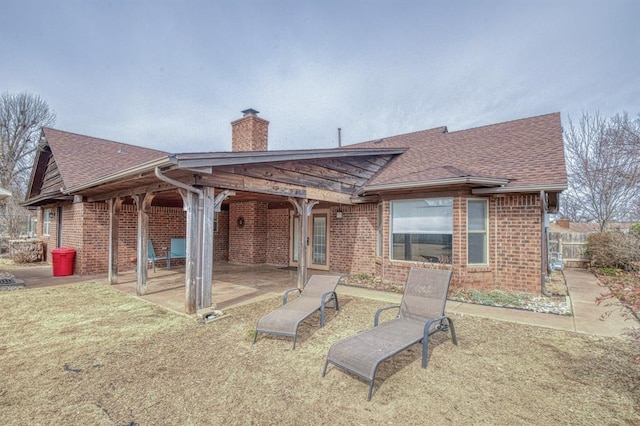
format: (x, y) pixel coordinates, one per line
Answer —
(421, 314)
(284, 321)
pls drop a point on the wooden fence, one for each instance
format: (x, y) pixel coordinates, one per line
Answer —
(572, 247)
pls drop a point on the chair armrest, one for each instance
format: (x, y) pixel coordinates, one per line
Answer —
(327, 296)
(285, 296)
(428, 324)
(379, 311)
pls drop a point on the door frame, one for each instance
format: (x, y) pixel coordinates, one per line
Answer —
(293, 218)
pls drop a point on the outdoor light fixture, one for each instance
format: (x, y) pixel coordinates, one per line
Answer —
(51, 215)
(339, 214)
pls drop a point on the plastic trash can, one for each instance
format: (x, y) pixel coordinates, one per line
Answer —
(63, 261)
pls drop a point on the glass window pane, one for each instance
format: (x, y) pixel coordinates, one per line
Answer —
(319, 240)
(422, 230)
(477, 248)
(477, 214)
(296, 237)
(431, 216)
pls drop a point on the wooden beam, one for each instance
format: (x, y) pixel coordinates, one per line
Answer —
(330, 196)
(131, 192)
(227, 180)
(143, 202)
(115, 205)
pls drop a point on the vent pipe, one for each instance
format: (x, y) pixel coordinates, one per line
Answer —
(339, 137)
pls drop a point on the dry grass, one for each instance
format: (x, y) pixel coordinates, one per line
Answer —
(86, 354)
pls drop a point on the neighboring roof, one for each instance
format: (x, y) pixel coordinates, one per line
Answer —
(4, 193)
(525, 154)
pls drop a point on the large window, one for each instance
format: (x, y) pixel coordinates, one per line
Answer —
(46, 222)
(422, 230)
(477, 226)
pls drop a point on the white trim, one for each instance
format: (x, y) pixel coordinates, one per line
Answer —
(485, 232)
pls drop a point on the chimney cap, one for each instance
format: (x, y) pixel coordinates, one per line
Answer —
(249, 111)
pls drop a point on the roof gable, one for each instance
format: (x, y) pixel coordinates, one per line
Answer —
(82, 158)
(68, 159)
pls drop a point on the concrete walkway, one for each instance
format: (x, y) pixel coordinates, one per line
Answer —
(583, 287)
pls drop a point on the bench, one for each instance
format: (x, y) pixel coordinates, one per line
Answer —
(177, 250)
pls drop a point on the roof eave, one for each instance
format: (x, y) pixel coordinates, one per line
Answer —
(467, 180)
(189, 160)
(558, 187)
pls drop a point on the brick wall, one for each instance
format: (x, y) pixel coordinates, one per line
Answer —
(352, 247)
(278, 237)
(248, 244)
(514, 247)
(86, 229)
(221, 238)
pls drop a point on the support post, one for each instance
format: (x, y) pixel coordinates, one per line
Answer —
(115, 205)
(143, 201)
(303, 208)
(190, 200)
(212, 205)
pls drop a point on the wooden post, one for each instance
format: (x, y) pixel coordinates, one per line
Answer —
(190, 200)
(143, 201)
(115, 205)
(303, 207)
(212, 205)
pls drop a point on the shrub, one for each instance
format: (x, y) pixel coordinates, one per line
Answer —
(614, 249)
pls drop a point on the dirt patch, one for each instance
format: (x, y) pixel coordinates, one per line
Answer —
(87, 354)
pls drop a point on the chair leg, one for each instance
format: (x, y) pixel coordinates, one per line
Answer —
(425, 351)
(326, 364)
(453, 331)
(370, 391)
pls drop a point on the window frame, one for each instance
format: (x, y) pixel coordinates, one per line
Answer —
(46, 222)
(485, 232)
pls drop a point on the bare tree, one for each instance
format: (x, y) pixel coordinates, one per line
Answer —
(22, 116)
(603, 164)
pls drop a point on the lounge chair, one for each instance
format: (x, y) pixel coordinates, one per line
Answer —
(284, 321)
(421, 314)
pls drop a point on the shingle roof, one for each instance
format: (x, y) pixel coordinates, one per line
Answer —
(82, 158)
(527, 152)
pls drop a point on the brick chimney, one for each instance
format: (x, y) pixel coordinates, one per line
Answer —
(249, 133)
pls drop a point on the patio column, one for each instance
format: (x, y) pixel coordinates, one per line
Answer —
(143, 201)
(115, 205)
(190, 200)
(211, 206)
(303, 208)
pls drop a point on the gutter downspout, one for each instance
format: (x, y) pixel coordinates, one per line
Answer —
(199, 226)
(544, 245)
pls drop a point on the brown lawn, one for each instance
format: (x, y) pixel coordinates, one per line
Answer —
(87, 354)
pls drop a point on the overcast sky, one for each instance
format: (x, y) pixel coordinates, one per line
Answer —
(172, 75)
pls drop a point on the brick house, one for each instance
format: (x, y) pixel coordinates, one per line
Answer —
(474, 201)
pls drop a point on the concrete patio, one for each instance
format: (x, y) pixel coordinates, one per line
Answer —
(236, 284)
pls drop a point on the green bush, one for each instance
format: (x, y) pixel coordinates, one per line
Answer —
(614, 249)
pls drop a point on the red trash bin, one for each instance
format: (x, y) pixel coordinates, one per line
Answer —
(63, 261)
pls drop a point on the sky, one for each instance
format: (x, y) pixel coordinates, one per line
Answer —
(173, 75)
